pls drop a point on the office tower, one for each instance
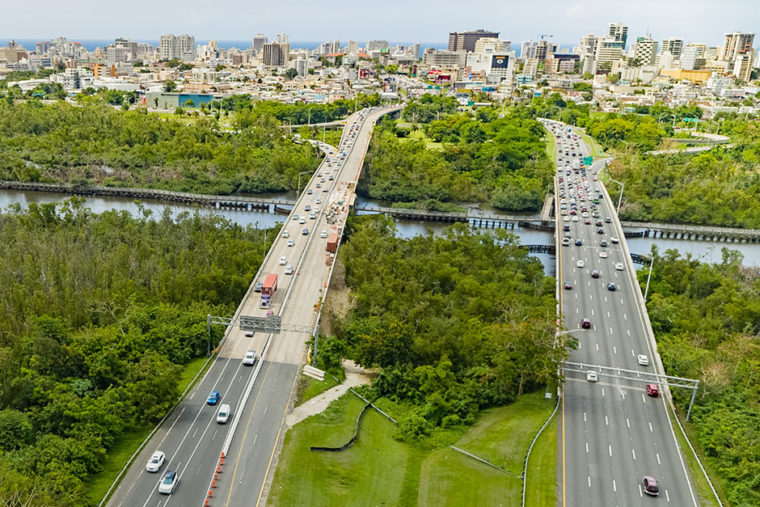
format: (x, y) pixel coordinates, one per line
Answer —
(619, 32)
(674, 45)
(353, 47)
(377, 45)
(645, 50)
(608, 50)
(528, 50)
(465, 41)
(734, 45)
(258, 42)
(276, 54)
(743, 65)
(282, 38)
(177, 47)
(693, 56)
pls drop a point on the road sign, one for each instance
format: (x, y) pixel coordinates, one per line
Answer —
(588, 160)
(270, 324)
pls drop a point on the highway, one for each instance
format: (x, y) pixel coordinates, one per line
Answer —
(260, 395)
(611, 433)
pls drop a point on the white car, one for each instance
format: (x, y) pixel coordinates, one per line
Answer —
(565, 218)
(575, 218)
(323, 234)
(291, 242)
(155, 462)
(619, 266)
(319, 201)
(224, 414)
(614, 239)
(603, 255)
(295, 217)
(591, 376)
(302, 220)
(283, 260)
(168, 483)
(289, 269)
(250, 358)
(643, 360)
(285, 234)
(580, 264)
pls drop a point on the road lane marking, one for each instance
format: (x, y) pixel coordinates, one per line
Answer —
(643, 399)
(651, 430)
(584, 416)
(667, 496)
(628, 422)
(586, 447)
(597, 347)
(633, 451)
(592, 312)
(614, 484)
(628, 331)
(606, 421)
(608, 315)
(609, 449)
(611, 332)
(602, 392)
(658, 459)
(589, 480)
(625, 317)
(614, 349)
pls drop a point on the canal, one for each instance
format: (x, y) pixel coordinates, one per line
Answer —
(706, 251)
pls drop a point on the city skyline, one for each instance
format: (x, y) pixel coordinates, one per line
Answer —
(516, 21)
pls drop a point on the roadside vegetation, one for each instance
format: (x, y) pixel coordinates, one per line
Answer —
(707, 319)
(443, 156)
(100, 315)
(381, 470)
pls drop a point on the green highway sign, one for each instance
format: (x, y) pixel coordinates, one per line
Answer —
(588, 160)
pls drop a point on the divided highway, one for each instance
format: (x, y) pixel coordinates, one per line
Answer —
(611, 432)
(260, 395)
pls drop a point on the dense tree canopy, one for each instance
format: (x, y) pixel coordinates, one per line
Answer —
(97, 315)
(707, 319)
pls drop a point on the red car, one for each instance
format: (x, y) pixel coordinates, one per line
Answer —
(568, 285)
(650, 485)
(653, 390)
(586, 323)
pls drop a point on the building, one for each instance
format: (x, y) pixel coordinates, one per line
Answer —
(177, 47)
(608, 50)
(561, 63)
(465, 41)
(444, 58)
(377, 45)
(275, 54)
(302, 66)
(13, 53)
(693, 57)
(645, 50)
(674, 45)
(528, 50)
(258, 42)
(734, 45)
(743, 64)
(353, 48)
(619, 32)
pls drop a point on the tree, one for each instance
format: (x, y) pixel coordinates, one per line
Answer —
(291, 73)
(170, 86)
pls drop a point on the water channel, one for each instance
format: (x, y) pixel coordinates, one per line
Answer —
(706, 251)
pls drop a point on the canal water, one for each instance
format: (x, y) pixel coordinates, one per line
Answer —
(706, 251)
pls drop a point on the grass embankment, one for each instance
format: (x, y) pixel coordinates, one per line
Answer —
(119, 455)
(551, 148)
(309, 387)
(596, 150)
(378, 470)
(419, 135)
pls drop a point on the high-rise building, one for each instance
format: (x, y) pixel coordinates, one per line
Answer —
(645, 50)
(377, 45)
(734, 45)
(674, 45)
(743, 65)
(608, 50)
(465, 41)
(275, 54)
(177, 47)
(693, 56)
(528, 50)
(282, 38)
(353, 47)
(619, 32)
(258, 42)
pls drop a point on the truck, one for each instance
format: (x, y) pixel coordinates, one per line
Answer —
(332, 243)
(268, 289)
(576, 165)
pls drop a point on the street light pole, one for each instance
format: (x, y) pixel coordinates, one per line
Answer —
(620, 199)
(649, 277)
(298, 192)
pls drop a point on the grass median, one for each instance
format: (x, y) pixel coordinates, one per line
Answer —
(379, 470)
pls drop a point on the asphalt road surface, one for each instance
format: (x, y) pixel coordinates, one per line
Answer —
(259, 395)
(611, 434)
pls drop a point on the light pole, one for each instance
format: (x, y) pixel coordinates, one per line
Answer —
(298, 192)
(649, 277)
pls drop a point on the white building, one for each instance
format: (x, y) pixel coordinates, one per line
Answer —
(645, 50)
(674, 45)
(692, 56)
(177, 47)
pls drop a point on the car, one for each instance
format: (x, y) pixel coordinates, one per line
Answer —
(600, 231)
(295, 216)
(213, 398)
(291, 242)
(603, 242)
(155, 462)
(168, 483)
(305, 231)
(565, 241)
(257, 287)
(587, 221)
(319, 175)
(595, 273)
(611, 286)
(248, 333)
(607, 219)
(578, 242)
(330, 177)
(307, 208)
(619, 266)
(319, 185)
(566, 227)
(223, 415)
(602, 255)
(591, 376)
(249, 358)
(302, 220)
(650, 485)
(575, 219)
(614, 240)
(568, 286)
(323, 234)
(308, 192)
(586, 323)
(598, 223)
(573, 212)
(643, 360)
(653, 390)
(283, 260)
(313, 216)
(580, 264)
(325, 189)
(289, 269)
(565, 218)
(319, 201)
(285, 234)
(322, 180)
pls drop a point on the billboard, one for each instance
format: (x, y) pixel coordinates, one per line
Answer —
(500, 61)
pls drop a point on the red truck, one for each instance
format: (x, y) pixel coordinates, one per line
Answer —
(267, 290)
(332, 243)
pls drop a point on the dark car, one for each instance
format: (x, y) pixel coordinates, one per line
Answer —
(213, 398)
(598, 223)
(653, 390)
(566, 227)
(594, 273)
(568, 285)
(305, 231)
(600, 231)
(586, 323)
(309, 192)
(587, 221)
(650, 485)
(611, 286)
(578, 242)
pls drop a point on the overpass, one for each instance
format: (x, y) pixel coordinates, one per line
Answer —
(236, 461)
(610, 433)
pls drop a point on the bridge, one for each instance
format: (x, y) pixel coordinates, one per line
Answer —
(480, 219)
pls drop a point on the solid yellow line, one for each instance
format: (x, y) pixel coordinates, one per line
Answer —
(282, 422)
(245, 435)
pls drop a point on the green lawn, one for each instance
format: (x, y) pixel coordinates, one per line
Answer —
(117, 456)
(378, 470)
(551, 148)
(309, 387)
(542, 469)
(419, 135)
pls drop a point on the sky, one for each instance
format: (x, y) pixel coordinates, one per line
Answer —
(393, 20)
